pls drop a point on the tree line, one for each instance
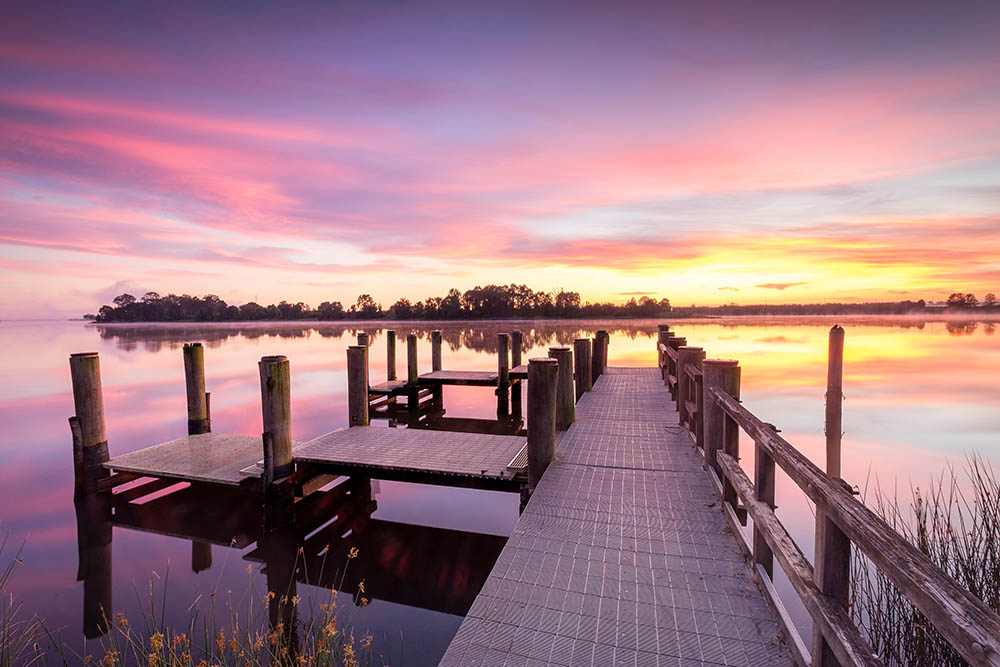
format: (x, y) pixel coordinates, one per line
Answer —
(489, 302)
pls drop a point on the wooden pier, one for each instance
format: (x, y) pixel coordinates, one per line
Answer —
(630, 547)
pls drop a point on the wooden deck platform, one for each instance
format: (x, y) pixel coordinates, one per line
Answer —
(519, 372)
(468, 378)
(621, 556)
(216, 458)
(438, 457)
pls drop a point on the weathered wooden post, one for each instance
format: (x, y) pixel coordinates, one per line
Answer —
(834, 400)
(199, 420)
(764, 490)
(357, 386)
(276, 410)
(542, 376)
(363, 338)
(687, 356)
(503, 375)
(832, 566)
(674, 343)
(565, 403)
(516, 346)
(724, 374)
(582, 363)
(665, 359)
(661, 336)
(599, 356)
(412, 376)
(435, 350)
(90, 441)
(390, 355)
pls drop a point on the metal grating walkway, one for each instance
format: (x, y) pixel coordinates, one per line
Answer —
(621, 556)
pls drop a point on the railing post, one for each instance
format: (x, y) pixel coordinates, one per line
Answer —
(542, 376)
(674, 343)
(565, 403)
(90, 441)
(582, 351)
(725, 374)
(363, 338)
(390, 355)
(662, 331)
(436, 350)
(276, 410)
(357, 385)
(764, 490)
(686, 356)
(199, 420)
(665, 359)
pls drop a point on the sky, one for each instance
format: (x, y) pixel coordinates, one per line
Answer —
(703, 152)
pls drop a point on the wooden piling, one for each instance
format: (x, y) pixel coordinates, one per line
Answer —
(582, 351)
(199, 420)
(834, 400)
(357, 386)
(363, 338)
(516, 348)
(436, 351)
(542, 377)
(599, 356)
(725, 374)
(665, 359)
(412, 376)
(276, 410)
(88, 401)
(832, 564)
(390, 355)
(565, 399)
(687, 356)
(503, 360)
(764, 489)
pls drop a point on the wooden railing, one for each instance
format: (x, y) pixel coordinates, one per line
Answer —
(708, 402)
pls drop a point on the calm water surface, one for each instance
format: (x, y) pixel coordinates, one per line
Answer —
(918, 396)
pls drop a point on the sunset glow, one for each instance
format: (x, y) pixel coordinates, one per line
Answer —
(705, 155)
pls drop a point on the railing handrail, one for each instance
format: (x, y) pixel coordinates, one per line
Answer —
(969, 626)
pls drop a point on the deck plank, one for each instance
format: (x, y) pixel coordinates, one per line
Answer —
(472, 378)
(622, 555)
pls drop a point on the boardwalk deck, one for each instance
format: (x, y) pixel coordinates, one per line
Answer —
(457, 459)
(621, 556)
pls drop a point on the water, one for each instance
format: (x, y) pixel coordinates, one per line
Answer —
(918, 396)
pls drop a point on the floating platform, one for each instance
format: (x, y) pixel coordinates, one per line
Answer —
(215, 458)
(416, 455)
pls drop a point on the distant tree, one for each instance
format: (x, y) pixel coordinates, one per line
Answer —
(330, 311)
(990, 300)
(366, 306)
(123, 300)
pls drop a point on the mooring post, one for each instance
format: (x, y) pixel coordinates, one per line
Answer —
(503, 375)
(542, 377)
(582, 350)
(357, 385)
(675, 343)
(832, 567)
(276, 410)
(516, 346)
(390, 355)
(725, 374)
(90, 439)
(599, 356)
(687, 357)
(435, 350)
(199, 421)
(363, 338)
(411, 359)
(565, 403)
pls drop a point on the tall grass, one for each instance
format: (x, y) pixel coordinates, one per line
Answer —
(957, 525)
(249, 629)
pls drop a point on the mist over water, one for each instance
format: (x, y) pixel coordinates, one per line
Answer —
(918, 396)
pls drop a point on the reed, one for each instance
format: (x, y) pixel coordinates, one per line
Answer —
(957, 525)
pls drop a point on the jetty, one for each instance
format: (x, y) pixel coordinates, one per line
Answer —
(631, 547)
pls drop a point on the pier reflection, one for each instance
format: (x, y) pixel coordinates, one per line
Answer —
(430, 568)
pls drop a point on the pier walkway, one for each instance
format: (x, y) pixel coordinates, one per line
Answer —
(622, 555)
